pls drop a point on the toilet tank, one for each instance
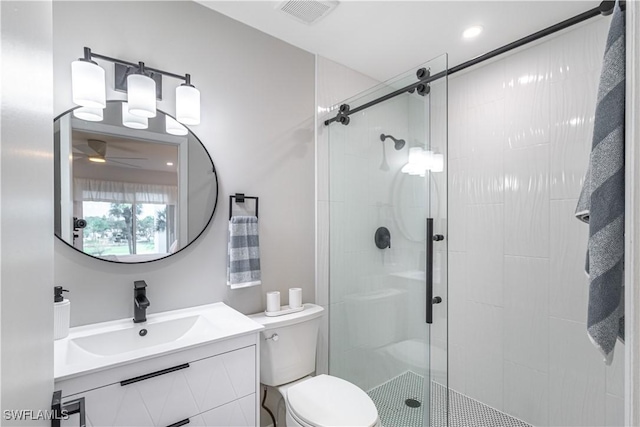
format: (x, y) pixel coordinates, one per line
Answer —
(288, 345)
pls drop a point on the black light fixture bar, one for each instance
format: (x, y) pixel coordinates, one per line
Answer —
(88, 55)
(605, 8)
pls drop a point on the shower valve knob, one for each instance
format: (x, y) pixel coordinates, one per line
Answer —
(438, 237)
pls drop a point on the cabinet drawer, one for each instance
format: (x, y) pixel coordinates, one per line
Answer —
(239, 413)
(164, 398)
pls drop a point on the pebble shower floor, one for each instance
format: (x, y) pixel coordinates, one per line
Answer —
(464, 412)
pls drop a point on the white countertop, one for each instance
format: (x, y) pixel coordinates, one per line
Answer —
(87, 348)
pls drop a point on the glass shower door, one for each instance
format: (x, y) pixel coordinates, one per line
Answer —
(387, 181)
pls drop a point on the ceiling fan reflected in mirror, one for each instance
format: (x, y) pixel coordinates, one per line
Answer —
(96, 151)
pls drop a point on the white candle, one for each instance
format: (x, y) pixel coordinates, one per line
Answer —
(273, 301)
(295, 297)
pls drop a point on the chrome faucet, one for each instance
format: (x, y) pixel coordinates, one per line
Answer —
(140, 301)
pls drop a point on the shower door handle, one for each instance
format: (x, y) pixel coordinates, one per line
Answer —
(431, 300)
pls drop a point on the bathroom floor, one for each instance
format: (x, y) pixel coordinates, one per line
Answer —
(465, 412)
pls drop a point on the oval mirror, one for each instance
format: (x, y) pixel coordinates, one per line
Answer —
(130, 195)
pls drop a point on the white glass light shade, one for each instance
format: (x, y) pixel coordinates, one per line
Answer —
(132, 121)
(409, 168)
(174, 128)
(416, 161)
(89, 114)
(88, 85)
(420, 161)
(437, 163)
(141, 95)
(188, 105)
(427, 160)
(415, 155)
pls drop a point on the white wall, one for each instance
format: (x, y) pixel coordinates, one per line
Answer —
(26, 218)
(257, 123)
(520, 135)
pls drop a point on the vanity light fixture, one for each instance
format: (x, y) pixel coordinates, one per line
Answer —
(89, 114)
(141, 94)
(131, 120)
(174, 128)
(169, 163)
(143, 85)
(188, 103)
(415, 166)
(88, 87)
(421, 161)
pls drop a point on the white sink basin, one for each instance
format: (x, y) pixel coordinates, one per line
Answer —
(141, 336)
(103, 345)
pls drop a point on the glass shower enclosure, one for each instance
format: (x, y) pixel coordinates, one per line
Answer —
(388, 249)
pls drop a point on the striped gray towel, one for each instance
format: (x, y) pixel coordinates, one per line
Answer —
(601, 202)
(243, 255)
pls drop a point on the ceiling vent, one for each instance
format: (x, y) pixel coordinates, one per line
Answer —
(307, 11)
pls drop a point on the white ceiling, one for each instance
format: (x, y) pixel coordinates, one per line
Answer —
(385, 38)
(126, 153)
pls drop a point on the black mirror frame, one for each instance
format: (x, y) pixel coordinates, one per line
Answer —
(215, 204)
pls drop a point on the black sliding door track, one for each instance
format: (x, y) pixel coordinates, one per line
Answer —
(605, 8)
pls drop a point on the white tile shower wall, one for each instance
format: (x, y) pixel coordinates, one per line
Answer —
(368, 306)
(376, 291)
(377, 295)
(519, 138)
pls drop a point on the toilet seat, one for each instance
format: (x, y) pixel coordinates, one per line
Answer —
(325, 401)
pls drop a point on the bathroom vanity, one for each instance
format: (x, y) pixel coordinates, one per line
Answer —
(197, 366)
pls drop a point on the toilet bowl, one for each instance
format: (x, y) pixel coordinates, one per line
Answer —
(325, 400)
(287, 360)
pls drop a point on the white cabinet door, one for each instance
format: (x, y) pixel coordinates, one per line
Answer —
(165, 399)
(223, 378)
(239, 413)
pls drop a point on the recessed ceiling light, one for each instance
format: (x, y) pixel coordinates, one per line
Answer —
(169, 163)
(472, 32)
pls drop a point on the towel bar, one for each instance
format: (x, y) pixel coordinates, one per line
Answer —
(240, 198)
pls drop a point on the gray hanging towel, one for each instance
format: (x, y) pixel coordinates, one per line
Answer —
(243, 255)
(601, 202)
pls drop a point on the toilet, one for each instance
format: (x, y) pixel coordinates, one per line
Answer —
(287, 360)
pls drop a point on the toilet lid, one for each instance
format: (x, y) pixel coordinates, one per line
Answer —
(330, 401)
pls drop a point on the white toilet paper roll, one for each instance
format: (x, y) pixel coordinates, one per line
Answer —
(295, 297)
(273, 301)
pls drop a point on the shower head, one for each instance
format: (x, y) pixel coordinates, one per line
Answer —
(398, 143)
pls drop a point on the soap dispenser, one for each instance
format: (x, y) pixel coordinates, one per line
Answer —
(61, 313)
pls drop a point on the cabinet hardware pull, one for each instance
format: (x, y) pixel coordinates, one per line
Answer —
(153, 374)
(180, 423)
